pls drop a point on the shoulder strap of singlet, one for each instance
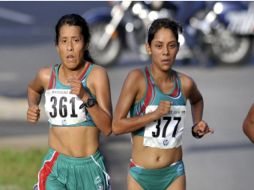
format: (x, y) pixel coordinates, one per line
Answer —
(85, 72)
(149, 92)
(52, 80)
(177, 89)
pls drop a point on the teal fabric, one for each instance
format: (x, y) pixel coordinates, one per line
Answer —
(70, 173)
(157, 179)
(59, 85)
(155, 95)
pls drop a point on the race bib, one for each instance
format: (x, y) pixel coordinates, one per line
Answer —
(62, 108)
(167, 131)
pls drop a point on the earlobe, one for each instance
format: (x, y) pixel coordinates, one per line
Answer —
(148, 49)
(57, 49)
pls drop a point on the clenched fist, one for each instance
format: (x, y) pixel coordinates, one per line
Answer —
(200, 129)
(33, 114)
(163, 108)
(78, 89)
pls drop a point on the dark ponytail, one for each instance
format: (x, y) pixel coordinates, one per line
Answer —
(87, 56)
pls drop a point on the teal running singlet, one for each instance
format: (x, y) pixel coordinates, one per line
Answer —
(165, 132)
(62, 108)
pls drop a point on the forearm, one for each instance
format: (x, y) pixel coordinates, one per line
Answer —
(131, 124)
(33, 97)
(197, 110)
(101, 119)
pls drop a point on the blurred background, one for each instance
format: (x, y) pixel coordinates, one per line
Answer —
(216, 51)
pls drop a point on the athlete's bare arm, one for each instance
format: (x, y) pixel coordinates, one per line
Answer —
(101, 113)
(34, 91)
(248, 124)
(133, 90)
(197, 105)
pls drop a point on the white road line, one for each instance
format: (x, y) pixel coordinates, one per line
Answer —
(16, 16)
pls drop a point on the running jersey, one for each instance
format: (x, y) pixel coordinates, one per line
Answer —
(62, 107)
(165, 132)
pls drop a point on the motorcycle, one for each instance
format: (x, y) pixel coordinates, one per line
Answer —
(218, 32)
(120, 27)
(213, 31)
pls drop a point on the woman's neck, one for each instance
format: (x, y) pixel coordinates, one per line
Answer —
(160, 75)
(69, 73)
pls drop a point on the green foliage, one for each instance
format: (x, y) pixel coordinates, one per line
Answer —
(19, 168)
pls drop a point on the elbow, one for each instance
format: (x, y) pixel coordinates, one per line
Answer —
(115, 128)
(248, 131)
(252, 139)
(106, 127)
(197, 101)
(107, 132)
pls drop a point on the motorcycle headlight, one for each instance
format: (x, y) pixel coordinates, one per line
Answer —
(218, 8)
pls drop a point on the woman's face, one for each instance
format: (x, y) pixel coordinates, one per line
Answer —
(163, 49)
(71, 46)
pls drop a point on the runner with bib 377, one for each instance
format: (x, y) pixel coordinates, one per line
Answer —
(156, 98)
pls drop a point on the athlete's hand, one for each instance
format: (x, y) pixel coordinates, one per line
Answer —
(163, 108)
(33, 114)
(202, 128)
(78, 89)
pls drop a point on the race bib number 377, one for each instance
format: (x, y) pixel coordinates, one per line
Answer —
(165, 132)
(62, 108)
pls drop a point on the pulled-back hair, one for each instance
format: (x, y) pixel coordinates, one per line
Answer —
(75, 20)
(157, 24)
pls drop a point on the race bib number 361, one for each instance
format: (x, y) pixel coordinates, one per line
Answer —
(62, 108)
(165, 132)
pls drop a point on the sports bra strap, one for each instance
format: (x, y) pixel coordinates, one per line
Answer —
(52, 80)
(149, 93)
(83, 74)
